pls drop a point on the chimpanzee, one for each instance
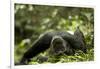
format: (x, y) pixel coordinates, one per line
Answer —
(50, 39)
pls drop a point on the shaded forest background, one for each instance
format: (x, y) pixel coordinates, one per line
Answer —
(33, 20)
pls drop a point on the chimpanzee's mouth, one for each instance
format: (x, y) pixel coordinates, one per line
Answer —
(59, 51)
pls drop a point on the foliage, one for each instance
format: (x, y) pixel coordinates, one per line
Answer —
(32, 20)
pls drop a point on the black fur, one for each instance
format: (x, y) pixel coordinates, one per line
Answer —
(75, 41)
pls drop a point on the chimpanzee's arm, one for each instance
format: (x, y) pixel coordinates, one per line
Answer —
(39, 46)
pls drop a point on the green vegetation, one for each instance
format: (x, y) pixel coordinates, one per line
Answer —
(33, 20)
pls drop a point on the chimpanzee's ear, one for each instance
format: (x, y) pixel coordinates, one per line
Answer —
(78, 33)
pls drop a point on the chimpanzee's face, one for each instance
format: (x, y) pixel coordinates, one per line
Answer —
(59, 46)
